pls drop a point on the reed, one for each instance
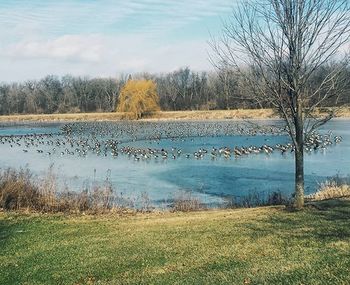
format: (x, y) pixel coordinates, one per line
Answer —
(334, 187)
(21, 190)
(184, 201)
(343, 112)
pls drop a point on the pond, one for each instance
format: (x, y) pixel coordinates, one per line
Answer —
(211, 159)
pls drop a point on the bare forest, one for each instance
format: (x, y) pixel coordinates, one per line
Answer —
(182, 89)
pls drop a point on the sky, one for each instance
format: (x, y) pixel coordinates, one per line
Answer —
(105, 38)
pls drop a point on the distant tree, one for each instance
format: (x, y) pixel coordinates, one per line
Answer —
(4, 99)
(49, 93)
(182, 89)
(111, 89)
(138, 97)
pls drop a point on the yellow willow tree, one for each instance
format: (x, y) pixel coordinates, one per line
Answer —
(138, 97)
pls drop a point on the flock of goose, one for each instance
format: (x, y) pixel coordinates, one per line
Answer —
(114, 139)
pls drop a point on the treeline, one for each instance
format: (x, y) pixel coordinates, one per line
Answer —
(182, 89)
(59, 95)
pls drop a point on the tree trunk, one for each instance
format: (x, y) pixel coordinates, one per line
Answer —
(299, 159)
(299, 179)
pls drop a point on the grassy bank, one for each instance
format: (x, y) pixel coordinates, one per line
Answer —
(247, 246)
(163, 115)
(175, 115)
(63, 117)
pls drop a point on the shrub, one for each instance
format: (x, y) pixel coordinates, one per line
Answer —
(335, 187)
(20, 190)
(277, 198)
(185, 202)
(17, 190)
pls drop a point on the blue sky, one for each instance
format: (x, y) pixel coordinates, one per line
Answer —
(105, 37)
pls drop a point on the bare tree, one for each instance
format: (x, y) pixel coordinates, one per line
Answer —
(202, 90)
(278, 46)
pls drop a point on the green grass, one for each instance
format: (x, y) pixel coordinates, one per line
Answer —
(248, 246)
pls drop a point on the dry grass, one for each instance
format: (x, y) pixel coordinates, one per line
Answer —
(171, 115)
(20, 190)
(186, 202)
(330, 190)
(214, 114)
(163, 115)
(335, 187)
(340, 112)
(343, 112)
(65, 117)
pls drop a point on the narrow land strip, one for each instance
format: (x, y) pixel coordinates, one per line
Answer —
(163, 115)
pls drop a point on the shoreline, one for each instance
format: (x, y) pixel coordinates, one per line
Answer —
(237, 114)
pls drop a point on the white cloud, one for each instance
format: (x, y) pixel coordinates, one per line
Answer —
(102, 37)
(68, 47)
(98, 55)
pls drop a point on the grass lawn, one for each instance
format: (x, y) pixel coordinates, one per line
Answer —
(247, 246)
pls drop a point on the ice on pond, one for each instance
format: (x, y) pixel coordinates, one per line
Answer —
(212, 159)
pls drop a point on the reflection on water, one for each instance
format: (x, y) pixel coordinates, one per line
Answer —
(211, 177)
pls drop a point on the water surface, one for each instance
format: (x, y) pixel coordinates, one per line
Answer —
(207, 177)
